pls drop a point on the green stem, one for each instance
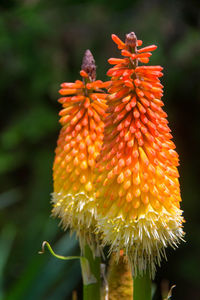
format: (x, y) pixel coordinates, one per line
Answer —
(92, 291)
(142, 287)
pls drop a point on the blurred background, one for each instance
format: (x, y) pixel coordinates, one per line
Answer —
(41, 45)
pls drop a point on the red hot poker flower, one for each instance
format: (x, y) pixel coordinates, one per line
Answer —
(139, 192)
(78, 146)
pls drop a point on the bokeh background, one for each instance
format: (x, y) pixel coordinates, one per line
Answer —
(41, 45)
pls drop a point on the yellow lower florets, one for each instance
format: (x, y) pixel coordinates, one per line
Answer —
(78, 212)
(143, 239)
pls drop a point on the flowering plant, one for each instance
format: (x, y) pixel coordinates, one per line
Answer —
(115, 170)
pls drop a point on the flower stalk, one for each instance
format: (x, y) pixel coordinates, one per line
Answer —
(142, 287)
(119, 279)
(91, 291)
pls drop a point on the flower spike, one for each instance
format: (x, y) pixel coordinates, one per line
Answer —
(78, 146)
(139, 193)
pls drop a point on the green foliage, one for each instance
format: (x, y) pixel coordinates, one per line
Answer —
(41, 45)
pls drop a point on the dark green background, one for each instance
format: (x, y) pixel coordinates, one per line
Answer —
(41, 45)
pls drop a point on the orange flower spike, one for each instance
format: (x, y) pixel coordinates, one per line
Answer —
(78, 147)
(138, 162)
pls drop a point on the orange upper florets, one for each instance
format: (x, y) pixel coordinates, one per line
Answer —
(139, 158)
(81, 135)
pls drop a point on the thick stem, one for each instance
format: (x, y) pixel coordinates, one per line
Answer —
(142, 287)
(92, 291)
